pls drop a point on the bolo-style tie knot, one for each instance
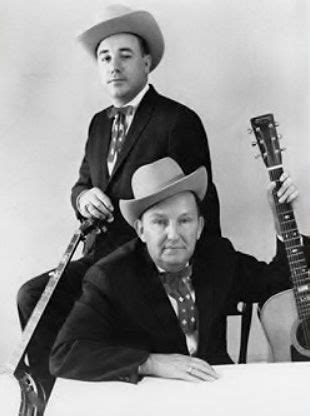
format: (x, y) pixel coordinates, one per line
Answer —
(173, 279)
(178, 286)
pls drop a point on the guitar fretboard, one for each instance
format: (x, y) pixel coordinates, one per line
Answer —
(294, 249)
(37, 313)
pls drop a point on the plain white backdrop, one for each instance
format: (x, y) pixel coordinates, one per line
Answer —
(230, 60)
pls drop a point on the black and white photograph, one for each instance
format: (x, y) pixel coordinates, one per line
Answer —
(155, 207)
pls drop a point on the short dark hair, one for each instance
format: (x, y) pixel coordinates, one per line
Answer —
(145, 50)
(144, 47)
(199, 205)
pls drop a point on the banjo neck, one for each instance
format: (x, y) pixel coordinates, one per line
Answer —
(13, 364)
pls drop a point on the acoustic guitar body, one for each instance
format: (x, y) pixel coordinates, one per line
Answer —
(282, 328)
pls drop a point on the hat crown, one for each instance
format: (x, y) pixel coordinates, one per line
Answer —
(117, 18)
(112, 11)
(152, 178)
(159, 181)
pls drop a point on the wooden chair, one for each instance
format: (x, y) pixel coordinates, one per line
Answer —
(244, 310)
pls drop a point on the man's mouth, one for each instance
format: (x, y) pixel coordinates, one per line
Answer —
(115, 80)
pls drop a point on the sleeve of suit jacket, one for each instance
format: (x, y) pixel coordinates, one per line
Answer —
(256, 281)
(90, 346)
(273, 278)
(84, 181)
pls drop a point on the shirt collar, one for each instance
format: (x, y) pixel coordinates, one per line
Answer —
(164, 271)
(137, 99)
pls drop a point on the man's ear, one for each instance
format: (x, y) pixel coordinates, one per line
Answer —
(200, 226)
(148, 63)
(138, 226)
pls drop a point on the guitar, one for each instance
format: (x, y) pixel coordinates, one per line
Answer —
(285, 317)
(33, 395)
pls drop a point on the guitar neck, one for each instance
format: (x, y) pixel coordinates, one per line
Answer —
(294, 248)
(37, 313)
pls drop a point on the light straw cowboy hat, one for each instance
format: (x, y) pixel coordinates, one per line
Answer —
(158, 181)
(116, 19)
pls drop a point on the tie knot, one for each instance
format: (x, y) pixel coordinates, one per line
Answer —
(117, 111)
(179, 289)
(173, 279)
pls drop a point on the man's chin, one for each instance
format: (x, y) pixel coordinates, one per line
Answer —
(174, 260)
(117, 91)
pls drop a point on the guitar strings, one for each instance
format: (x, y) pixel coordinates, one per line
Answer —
(294, 249)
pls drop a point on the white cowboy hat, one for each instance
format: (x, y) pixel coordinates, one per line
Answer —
(158, 181)
(122, 19)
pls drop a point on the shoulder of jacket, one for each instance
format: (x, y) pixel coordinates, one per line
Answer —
(115, 270)
(213, 246)
(100, 114)
(120, 259)
(172, 104)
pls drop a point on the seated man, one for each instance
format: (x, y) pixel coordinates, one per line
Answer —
(156, 306)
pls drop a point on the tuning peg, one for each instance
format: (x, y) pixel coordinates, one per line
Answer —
(276, 124)
(282, 149)
(254, 144)
(280, 137)
(249, 131)
(263, 155)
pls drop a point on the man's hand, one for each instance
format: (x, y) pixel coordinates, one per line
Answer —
(178, 366)
(95, 204)
(288, 192)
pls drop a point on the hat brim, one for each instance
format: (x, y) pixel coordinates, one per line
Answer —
(196, 182)
(139, 23)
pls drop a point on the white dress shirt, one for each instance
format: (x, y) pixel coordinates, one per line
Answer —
(129, 118)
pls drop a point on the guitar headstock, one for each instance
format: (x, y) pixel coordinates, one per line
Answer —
(264, 128)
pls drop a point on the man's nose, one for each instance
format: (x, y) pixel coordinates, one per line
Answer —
(172, 231)
(115, 65)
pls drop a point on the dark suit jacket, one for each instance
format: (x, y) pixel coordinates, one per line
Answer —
(161, 127)
(124, 313)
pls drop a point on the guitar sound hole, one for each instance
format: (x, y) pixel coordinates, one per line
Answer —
(303, 333)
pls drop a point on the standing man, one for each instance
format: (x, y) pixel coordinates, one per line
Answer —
(140, 127)
(128, 45)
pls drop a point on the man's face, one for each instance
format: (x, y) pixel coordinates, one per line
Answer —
(170, 230)
(123, 67)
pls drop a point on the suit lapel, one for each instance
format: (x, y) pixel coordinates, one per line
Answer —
(104, 141)
(204, 291)
(158, 303)
(139, 122)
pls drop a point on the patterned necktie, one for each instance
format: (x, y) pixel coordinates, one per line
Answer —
(178, 285)
(118, 131)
